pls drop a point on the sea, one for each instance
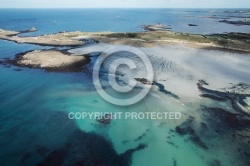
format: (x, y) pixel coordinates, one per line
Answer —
(34, 104)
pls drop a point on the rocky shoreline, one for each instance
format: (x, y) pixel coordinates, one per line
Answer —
(228, 42)
(54, 60)
(156, 27)
(245, 22)
(236, 99)
(50, 60)
(59, 39)
(230, 118)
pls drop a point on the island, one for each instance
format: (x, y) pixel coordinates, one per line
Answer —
(62, 60)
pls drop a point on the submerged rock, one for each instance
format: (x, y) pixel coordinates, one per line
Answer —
(105, 120)
(88, 149)
(186, 128)
(62, 143)
(233, 126)
(225, 119)
(236, 94)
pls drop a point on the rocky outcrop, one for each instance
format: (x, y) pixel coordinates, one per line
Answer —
(236, 98)
(60, 39)
(245, 22)
(192, 25)
(52, 60)
(186, 128)
(156, 27)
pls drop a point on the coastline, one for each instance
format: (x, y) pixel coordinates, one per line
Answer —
(50, 60)
(62, 60)
(48, 82)
(229, 42)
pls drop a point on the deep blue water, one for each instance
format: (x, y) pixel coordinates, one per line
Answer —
(120, 20)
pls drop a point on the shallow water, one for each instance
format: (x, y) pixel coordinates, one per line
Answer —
(34, 104)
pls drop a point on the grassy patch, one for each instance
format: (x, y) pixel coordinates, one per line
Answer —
(123, 35)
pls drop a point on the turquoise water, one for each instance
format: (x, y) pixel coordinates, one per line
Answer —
(34, 104)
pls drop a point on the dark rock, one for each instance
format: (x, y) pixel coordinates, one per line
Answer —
(236, 22)
(225, 118)
(202, 82)
(198, 141)
(105, 120)
(173, 144)
(140, 137)
(246, 154)
(156, 27)
(232, 96)
(213, 97)
(18, 69)
(127, 156)
(143, 81)
(203, 125)
(29, 30)
(163, 90)
(192, 25)
(88, 149)
(174, 162)
(56, 157)
(186, 129)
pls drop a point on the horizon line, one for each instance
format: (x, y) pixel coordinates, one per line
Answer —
(124, 8)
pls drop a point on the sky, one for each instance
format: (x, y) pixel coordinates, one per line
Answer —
(124, 3)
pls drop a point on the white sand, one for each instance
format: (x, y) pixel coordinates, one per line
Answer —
(179, 67)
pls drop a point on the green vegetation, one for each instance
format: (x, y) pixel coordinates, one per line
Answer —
(122, 35)
(231, 41)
